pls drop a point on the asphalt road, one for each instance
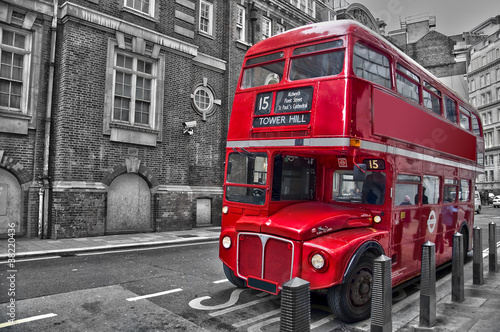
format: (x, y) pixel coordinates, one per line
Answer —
(182, 288)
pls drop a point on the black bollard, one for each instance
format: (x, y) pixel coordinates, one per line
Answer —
(492, 241)
(295, 306)
(477, 264)
(428, 285)
(457, 269)
(381, 295)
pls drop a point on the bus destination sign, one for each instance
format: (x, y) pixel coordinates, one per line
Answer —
(282, 120)
(294, 100)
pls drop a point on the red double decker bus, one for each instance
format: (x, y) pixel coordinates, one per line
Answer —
(341, 148)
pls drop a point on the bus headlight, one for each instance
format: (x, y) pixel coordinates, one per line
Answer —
(317, 261)
(226, 242)
(225, 209)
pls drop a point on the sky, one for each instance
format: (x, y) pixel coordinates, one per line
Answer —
(452, 16)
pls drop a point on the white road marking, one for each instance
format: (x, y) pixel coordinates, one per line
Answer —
(257, 318)
(238, 307)
(154, 295)
(26, 320)
(220, 281)
(32, 259)
(196, 303)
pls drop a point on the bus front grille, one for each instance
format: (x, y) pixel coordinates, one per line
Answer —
(265, 257)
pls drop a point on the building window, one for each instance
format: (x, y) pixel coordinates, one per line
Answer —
(14, 69)
(206, 17)
(134, 88)
(498, 95)
(266, 28)
(307, 6)
(134, 99)
(143, 6)
(488, 79)
(240, 23)
(488, 140)
(474, 101)
(280, 28)
(203, 99)
(472, 85)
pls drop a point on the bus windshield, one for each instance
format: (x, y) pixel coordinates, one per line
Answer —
(265, 73)
(248, 171)
(294, 178)
(369, 191)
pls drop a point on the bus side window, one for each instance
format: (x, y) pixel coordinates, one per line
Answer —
(431, 190)
(450, 190)
(371, 65)
(464, 190)
(407, 190)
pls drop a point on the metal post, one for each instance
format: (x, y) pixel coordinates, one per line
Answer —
(295, 306)
(492, 240)
(477, 265)
(381, 295)
(457, 271)
(428, 285)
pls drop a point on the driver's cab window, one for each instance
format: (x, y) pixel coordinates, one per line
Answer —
(294, 178)
(369, 191)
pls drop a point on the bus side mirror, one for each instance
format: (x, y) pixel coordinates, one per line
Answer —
(359, 172)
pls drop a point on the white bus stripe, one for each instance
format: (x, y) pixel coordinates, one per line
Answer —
(155, 294)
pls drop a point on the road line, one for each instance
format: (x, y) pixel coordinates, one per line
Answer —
(241, 306)
(154, 295)
(220, 281)
(257, 318)
(26, 320)
(31, 259)
(327, 319)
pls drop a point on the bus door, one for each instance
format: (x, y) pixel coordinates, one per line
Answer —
(406, 228)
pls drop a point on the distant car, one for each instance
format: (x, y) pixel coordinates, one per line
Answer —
(490, 198)
(477, 202)
(496, 201)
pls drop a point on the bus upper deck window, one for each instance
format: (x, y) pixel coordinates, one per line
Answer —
(317, 64)
(371, 65)
(267, 69)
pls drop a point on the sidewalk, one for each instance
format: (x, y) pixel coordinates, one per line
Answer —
(34, 247)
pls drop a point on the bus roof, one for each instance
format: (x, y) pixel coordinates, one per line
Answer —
(328, 29)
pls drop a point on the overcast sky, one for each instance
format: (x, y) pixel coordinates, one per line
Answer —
(452, 16)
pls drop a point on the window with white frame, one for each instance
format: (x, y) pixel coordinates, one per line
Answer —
(240, 23)
(134, 90)
(488, 79)
(266, 28)
(134, 97)
(307, 6)
(142, 6)
(15, 51)
(206, 17)
(488, 139)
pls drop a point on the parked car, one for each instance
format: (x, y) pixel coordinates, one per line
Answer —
(490, 198)
(496, 201)
(477, 202)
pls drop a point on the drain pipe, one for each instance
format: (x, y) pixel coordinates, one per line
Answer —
(44, 231)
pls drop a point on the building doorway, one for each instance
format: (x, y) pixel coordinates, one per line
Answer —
(129, 205)
(10, 202)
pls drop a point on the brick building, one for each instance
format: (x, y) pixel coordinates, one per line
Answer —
(113, 114)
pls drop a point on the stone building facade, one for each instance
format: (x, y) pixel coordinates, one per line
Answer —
(113, 114)
(483, 74)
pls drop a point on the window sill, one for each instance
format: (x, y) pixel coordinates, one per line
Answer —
(14, 123)
(139, 14)
(242, 44)
(204, 34)
(134, 135)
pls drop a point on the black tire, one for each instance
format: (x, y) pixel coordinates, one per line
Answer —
(351, 301)
(238, 282)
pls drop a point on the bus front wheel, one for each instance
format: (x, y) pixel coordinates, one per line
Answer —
(351, 301)
(238, 282)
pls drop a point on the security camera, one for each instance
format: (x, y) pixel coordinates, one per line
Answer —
(190, 124)
(188, 127)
